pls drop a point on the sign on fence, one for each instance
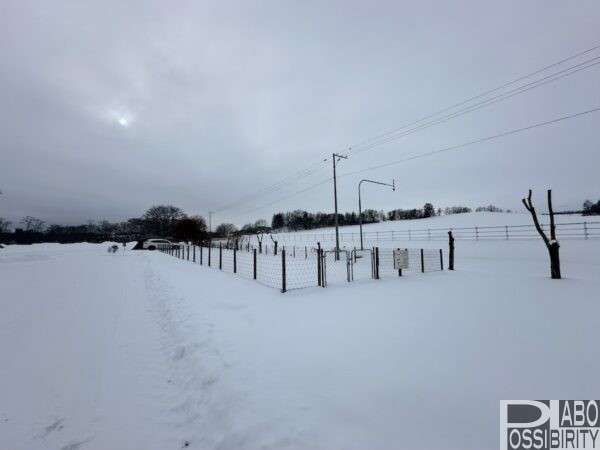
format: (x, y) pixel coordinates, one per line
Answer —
(400, 259)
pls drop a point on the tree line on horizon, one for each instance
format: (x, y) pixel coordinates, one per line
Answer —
(169, 221)
(304, 220)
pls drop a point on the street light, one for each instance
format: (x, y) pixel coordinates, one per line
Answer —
(393, 185)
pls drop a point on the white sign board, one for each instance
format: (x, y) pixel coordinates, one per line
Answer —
(400, 259)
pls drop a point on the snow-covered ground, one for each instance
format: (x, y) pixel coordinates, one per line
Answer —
(140, 350)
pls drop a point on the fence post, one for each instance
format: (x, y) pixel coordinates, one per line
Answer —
(476, 233)
(585, 230)
(254, 262)
(441, 260)
(399, 269)
(318, 267)
(305, 252)
(377, 262)
(275, 248)
(188, 252)
(422, 261)
(235, 260)
(451, 251)
(506, 229)
(220, 256)
(200, 253)
(283, 287)
(428, 234)
(194, 252)
(409, 234)
(323, 268)
(209, 253)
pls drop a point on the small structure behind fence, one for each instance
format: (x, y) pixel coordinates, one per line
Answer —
(310, 268)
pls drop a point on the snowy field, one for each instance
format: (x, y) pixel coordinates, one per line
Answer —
(140, 350)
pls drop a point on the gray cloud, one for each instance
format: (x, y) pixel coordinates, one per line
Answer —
(109, 107)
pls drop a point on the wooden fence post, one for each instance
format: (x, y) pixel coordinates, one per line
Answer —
(254, 262)
(194, 250)
(441, 260)
(234, 260)
(220, 256)
(422, 261)
(377, 263)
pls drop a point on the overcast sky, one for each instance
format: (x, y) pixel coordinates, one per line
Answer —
(108, 107)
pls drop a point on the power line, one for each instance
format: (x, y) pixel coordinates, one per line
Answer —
(477, 141)
(424, 155)
(308, 171)
(393, 134)
(463, 102)
(285, 198)
(513, 92)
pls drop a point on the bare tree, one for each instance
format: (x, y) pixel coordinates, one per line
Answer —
(552, 243)
(161, 219)
(4, 225)
(33, 224)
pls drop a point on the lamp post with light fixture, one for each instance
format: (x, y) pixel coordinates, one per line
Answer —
(393, 185)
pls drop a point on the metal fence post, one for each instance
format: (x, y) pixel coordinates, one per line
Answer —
(319, 267)
(194, 251)
(377, 263)
(234, 260)
(441, 260)
(200, 254)
(399, 269)
(283, 287)
(220, 256)
(254, 262)
(422, 261)
(188, 252)
(209, 253)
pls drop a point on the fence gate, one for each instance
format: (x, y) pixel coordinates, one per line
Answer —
(363, 264)
(336, 271)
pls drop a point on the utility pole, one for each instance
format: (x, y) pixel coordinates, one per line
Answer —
(393, 185)
(337, 233)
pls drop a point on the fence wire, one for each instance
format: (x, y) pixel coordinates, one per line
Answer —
(567, 230)
(301, 269)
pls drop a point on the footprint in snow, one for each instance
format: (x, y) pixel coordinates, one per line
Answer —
(179, 353)
(55, 426)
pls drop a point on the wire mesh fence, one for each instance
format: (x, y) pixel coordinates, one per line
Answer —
(309, 267)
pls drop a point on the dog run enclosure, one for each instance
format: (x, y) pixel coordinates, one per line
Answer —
(318, 267)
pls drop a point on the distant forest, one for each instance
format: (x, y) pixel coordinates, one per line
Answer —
(304, 220)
